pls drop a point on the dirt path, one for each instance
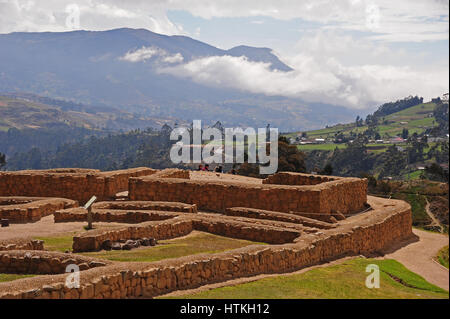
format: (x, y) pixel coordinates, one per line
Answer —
(418, 256)
(435, 221)
(46, 227)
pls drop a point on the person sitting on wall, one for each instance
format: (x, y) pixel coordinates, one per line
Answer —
(219, 169)
(206, 168)
(200, 167)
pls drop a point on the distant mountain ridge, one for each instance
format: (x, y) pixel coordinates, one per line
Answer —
(28, 111)
(89, 67)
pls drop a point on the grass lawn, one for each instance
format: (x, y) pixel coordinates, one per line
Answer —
(59, 243)
(321, 147)
(442, 256)
(195, 243)
(11, 277)
(413, 175)
(343, 281)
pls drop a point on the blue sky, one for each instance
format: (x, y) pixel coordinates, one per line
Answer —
(258, 31)
(350, 52)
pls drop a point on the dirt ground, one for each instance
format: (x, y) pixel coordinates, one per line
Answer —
(46, 227)
(418, 256)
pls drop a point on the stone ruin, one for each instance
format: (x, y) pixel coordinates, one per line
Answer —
(305, 219)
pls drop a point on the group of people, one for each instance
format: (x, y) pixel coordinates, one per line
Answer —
(217, 169)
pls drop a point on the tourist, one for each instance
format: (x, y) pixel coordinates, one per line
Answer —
(200, 167)
(206, 168)
(219, 169)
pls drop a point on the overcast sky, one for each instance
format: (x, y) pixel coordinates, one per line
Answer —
(354, 51)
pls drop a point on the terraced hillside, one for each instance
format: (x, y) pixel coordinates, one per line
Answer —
(415, 119)
(22, 113)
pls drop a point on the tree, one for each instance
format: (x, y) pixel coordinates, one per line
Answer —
(359, 121)
(415, 148)
(327, 170)
(2, 160)
(391, 162)
(371, 120)
(353, 159)
(290, 159)
(405, 133)
(436, 172)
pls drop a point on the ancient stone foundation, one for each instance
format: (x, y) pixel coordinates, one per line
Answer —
(303, 219)
(76, 184)
(345, 195)
(31, 209)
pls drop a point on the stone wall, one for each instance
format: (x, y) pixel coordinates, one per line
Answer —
(110, 216)
(80, 185)
(347, 195)
(183, 224)
(125, 212)
(32, 209)
(37, 262)
(22, 244)
(388, 223)
(172, 173)
(93, 240)
(284, 217)
(290, 178)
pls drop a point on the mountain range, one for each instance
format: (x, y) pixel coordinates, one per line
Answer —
(119, 69)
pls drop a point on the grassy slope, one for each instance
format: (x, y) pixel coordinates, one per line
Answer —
(22, 114)
(195, 243)
(343, 281)
(442, 256)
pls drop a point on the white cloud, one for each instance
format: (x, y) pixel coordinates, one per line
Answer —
(415, 20)
(314, 80)
(141, 54)
(176, 58)
(145, 53)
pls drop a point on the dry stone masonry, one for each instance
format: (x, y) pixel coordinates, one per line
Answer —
(305, 219)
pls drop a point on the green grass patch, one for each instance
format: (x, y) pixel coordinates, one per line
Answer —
(59, 243)
(442, 256)
(413, 175)
(321, 147)
(343, 281)
(196, 243)
(11, 277)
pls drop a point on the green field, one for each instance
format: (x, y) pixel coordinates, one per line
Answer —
(195, 243)
(417, 122)
(343, 281)
(417, 118)
(321, 147)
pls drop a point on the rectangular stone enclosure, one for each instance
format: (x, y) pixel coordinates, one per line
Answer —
(320, 195)
(76, 184)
